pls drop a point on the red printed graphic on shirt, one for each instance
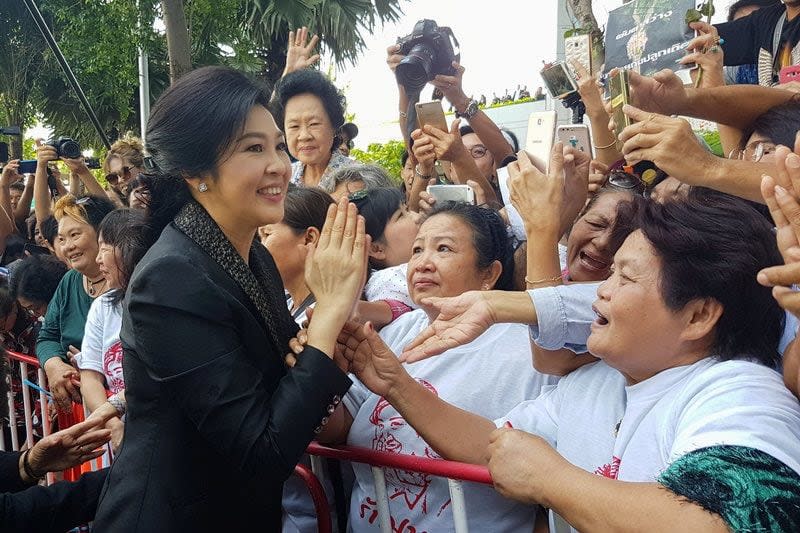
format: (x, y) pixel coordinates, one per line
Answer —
(610, 471)
(391, 435)
(112, 368)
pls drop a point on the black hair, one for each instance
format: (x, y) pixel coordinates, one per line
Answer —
(4, 367)
(780, 125)
(15, 249)
(305, 207)
(489, 236)
(513, 136)
(191, 128)
(6, 297)
(37, 277)
(49, 229)
(308, 81)
(404, 158)
(736, 6)
(126, 231)
(89, 209)
(17, 186)
(377, 207)
(712, 245)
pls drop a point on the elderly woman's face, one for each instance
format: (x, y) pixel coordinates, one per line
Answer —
(635, 332)
(78, 242)
(443, 259)
(309, 132)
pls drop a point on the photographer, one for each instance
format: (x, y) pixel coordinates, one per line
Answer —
(124, 162)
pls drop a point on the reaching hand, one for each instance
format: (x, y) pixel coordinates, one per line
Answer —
(589, 90)
(45, 153)
(662, 93)
(69, 447)
(523, 466)
(299, 54)
(10, 173)
(451, 86)
(62, 379)
(370, 359)
(670, 143)
(707, 54)
(393, 56)
(598, 175)
(461, 320)
(447, 146)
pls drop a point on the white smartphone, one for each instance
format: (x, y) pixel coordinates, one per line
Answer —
(541, 135)
(452, 193)
(577, 136)
(579, 48)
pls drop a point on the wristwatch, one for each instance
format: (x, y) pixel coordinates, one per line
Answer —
(470, 111)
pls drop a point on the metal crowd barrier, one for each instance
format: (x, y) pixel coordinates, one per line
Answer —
(35, 392)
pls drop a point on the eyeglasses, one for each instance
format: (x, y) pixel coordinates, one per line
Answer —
(113, 177)
(754, 151)
(478, 151)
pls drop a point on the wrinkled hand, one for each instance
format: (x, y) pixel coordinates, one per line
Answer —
(598, 175)
(523, 466)
(424, 151)
(370, 359)
(117, 429)
(76, 166)
(707, 54)
(668, 142)
(662, 93)
(451, 86)
(426, 202)
(461, 320)
(297, 344)
(62, 379)
(299, 53)
(447, 146)
(69, 447)
(10, 173)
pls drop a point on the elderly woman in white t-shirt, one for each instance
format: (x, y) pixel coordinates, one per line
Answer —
(682, 424)
(459, 248)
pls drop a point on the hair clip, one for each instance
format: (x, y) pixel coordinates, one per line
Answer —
(358, 195)
(150, 164)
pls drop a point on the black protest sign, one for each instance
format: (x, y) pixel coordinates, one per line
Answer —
(648, 35)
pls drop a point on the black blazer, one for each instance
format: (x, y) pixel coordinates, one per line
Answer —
(215, 421)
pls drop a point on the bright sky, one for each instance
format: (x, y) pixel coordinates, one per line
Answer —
(503, 44)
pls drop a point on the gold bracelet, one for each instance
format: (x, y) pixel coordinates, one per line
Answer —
(548, 280)
(613, 143)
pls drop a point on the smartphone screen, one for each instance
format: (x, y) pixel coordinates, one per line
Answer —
(431, 113)
(558, 81)
(620, 96)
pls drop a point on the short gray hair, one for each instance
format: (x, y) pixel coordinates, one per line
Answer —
(373, 176)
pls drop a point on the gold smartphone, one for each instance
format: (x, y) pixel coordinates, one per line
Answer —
(431, 113)
(620, 95)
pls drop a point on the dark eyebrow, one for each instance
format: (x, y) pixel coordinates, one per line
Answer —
(251, 135)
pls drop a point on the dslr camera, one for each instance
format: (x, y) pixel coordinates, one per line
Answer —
(67, 148)
(429, 51)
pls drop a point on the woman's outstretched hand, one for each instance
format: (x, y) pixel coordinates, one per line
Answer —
(335, 272)
(461, 320)
(370, 359)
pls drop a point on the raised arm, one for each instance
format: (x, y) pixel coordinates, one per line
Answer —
(9, 176)
(41, 189)
(78, 168)
(23, 210)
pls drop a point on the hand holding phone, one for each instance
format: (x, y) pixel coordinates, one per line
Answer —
(620, 95)
(431, 113)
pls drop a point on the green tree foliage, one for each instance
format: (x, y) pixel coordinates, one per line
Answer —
(386, 155)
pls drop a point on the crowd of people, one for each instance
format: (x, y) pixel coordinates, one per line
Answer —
(618, 349)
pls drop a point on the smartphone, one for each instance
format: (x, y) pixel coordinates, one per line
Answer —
(620, 95)
(790, 73)
(452, 193)
(578, 48)
(541, 135)
(577, 136)
(431, 113)
(558, 80)
(27, 166)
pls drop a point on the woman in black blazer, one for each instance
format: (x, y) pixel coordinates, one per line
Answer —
(216, 422)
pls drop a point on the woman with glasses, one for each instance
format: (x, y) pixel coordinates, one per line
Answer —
(124, 162)
(61, 334)
(778, 126)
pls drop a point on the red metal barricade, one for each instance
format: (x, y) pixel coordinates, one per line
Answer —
(454, 472)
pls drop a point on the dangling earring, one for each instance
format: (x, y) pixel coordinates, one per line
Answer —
(202, 187)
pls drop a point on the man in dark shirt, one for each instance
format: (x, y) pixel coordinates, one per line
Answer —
(767, 37)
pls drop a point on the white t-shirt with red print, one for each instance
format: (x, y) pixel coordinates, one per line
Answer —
(101, 349)
(634, 432)
(487, 377)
